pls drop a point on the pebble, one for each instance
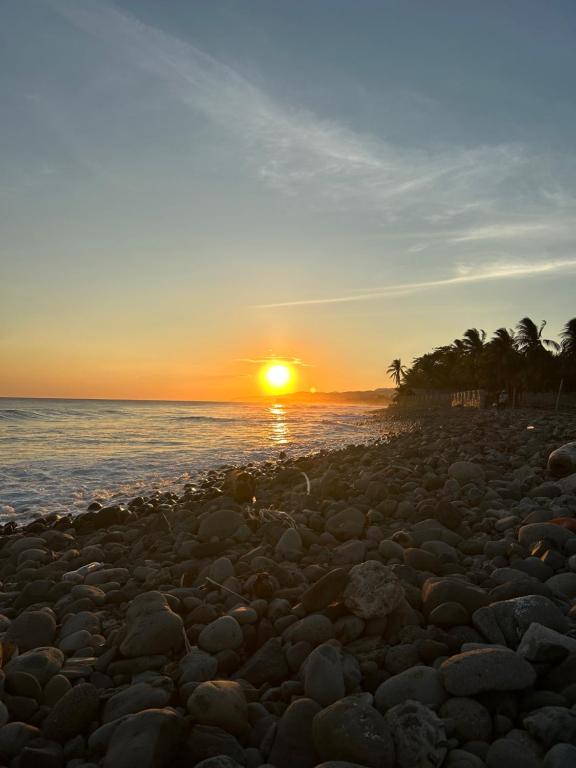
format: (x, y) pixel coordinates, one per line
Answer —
(223, 634)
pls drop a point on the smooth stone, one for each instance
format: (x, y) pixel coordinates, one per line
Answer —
(436, 591)
(221, 524)
(466, 472)
(460, 758)
(73, 713)
(151, 627)
(219, 761)
(314, 629)
(533, 532)
(55, 688)
(560, 756)
(328, 589)
(512, 754)
(373, 590)
(197, 667)
(422, 684)
(267, 665)
(449, 615)
(350, 729)
(220, 703)
(41, 663)
(293, 743)
(487, 669)
(145, 740)
(15, 736)
(346, 524)
(223, 634)
(134, 699)
(324, 675)
(82, 620)
(207, 741)
(75, 641)
(563, 585)
(289, 545)
(32, 629)
(419, 735)
(23, 684)
(471, 720)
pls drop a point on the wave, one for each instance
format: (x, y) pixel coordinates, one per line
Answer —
(16, 413)
(204, 418)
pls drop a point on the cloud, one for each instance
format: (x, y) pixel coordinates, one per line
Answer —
(296, 361)
(293, 150)
(465, 275)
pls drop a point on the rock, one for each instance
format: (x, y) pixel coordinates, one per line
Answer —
(220, 703)
(220, 525)
(436, 591)
(219, 761)
(324, 676)
(346, 524)
(289, 545)
(267, 665)
(419, 735)
(506, 622)
(135, 698)
(470, 719)
(32, 629)
(352, 730)
(541, 644)
(223, 634)
(449, 615)
(41, 663)
(197, 667)
(460, 758)
(206, 741)
(534, 532)
(14, 737)
(513, 754)
(390, 550)
(152, 627)
(313, 629)
(55, 689)
(328, 589)
(421, 684)
(75, 641)
(373, 590)
(552, 725)
(563, 585)
(146, 740)
(466, 472)
(486, 669)
(562, 461)
(75, 622)
(293, 743)
(560, 756)
(23, 684)
(73, 713)
(421, 560)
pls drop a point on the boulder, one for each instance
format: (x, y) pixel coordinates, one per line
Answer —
(221, 524)
(220, 703)
(73, 713)
(151, 627)
(486, 669)
(421, 684)
(373, 590)
(223, 634)
(293, 744)
(148, 739)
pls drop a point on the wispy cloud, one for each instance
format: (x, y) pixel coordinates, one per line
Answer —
(465, 275)
(293, 150)
(296, 361)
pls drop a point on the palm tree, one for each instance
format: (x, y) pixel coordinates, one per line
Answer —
(396, 371)
(504, 358)
(539, 364)
(568, 343)
(473, 340)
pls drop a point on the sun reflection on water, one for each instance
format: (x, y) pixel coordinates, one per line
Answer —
(280, 433)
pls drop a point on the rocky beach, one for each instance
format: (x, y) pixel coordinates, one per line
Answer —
(404, 604)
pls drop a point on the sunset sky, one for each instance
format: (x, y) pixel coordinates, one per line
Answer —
(189, 188)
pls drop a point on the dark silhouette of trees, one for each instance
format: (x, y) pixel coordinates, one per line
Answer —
(396, 371)
(515, 360)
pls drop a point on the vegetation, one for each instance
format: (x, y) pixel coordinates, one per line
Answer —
(518, 360)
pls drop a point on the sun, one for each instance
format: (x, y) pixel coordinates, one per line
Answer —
(276, 377)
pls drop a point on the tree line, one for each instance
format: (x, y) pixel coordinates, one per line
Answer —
(515, 360)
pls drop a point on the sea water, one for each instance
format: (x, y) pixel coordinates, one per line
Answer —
(59, 455)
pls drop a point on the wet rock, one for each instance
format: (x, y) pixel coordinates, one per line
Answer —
(151, 627)
(486, 669)
(373, 590)
(353, 730)
(419, 735)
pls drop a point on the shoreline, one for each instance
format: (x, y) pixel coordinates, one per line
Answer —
(415, 575)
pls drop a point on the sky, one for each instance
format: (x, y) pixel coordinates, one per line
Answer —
(190, 188)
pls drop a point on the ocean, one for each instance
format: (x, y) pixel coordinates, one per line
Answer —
(59, 455)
